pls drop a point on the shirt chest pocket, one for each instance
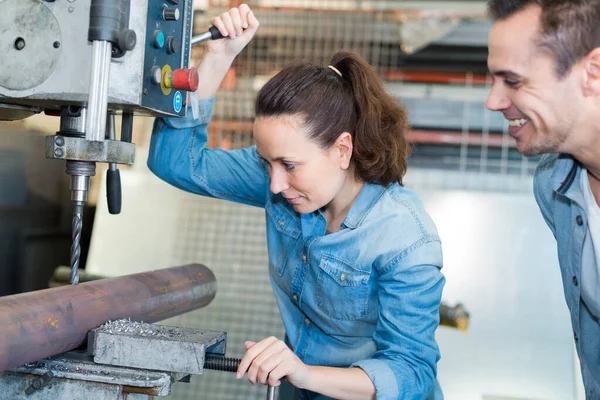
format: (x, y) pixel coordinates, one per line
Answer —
(283, 233)
(342, 290)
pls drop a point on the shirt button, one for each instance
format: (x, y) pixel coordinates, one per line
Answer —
(307, 321)
(579, 220)
(343, 277)
(575, 280)
(304, 258)
(575, 336)
(295, 297)
(281, 223)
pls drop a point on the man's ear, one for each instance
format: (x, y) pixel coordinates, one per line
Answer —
(343, 146)
(591, 85)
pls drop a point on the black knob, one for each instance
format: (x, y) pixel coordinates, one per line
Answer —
(127, 40)
(172, 45)
(171, 14)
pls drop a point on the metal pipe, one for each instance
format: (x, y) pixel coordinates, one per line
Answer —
(48, 322)
(111, 135)
(271, 393)
(95, 124)
(200, 38)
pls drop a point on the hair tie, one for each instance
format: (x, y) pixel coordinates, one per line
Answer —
(334, 69)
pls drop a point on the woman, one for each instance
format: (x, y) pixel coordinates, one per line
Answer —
(353, 257)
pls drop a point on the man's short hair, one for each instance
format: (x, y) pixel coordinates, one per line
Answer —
(570, 29)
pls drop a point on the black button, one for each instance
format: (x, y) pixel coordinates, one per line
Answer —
(172, 45)
(575, 280)
(579, 220)
(575, 336)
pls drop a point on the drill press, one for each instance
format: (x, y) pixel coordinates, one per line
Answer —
(86, 61)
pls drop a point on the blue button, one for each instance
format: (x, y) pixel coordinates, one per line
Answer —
(159, 39)
(177, 102)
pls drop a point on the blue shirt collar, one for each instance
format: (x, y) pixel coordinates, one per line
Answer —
(565, 174)
(366, 199)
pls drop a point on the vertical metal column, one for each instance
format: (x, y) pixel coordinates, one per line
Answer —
(95, 127)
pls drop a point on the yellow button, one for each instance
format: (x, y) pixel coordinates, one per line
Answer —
(343, 277)
(304, 258)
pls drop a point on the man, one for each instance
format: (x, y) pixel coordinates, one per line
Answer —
(545, 59)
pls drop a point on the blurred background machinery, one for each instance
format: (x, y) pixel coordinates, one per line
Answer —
(500, 260)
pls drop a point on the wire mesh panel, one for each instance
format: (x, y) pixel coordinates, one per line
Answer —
(431, 55)
(230, 239)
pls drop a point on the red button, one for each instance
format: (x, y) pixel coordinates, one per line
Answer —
(184, 79)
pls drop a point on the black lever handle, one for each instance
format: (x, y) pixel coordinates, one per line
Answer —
(214, 33)
(113, 190)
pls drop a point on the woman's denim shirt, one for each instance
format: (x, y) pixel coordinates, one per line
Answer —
(365, 296)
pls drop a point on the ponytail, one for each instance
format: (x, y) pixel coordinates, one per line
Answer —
(380, 144)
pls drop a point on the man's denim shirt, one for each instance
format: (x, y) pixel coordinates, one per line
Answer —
(559, 195)
(366, 296)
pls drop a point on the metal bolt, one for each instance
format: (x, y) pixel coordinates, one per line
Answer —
(39, 383)
(71, 9)
(19, 43)
(58, 152)
(60, 141)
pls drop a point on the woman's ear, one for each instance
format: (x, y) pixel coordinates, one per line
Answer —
(343, 146)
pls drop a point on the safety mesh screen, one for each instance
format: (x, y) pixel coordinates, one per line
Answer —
(431, 55)
(230, 238)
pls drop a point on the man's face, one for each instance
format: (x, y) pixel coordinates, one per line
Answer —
(541, 108)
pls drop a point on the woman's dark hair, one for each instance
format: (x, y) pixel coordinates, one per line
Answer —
(355, 102)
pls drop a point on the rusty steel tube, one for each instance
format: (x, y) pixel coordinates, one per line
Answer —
(48, 322)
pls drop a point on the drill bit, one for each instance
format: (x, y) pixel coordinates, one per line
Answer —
(80, 172)
(76, 237)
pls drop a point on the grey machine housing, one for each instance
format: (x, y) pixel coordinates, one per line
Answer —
(47, 57)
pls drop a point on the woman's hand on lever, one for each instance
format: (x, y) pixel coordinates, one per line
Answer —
(238, 25)
(270, 360)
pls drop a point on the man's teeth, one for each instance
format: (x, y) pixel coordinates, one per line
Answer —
(517, 122)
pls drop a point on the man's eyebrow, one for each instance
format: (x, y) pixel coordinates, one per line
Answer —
(505, 73)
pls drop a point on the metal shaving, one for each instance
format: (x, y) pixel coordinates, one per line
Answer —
(129, 327)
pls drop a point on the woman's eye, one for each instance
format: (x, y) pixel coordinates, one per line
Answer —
(289, 166)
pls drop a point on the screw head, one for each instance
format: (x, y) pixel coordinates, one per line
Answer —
(60, 141)
(58, 152)
(19, 43)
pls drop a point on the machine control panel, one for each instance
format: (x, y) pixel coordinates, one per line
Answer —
(48, 62)
(167, 78)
